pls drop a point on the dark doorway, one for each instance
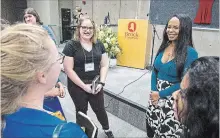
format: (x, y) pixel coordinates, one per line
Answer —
(66, 20)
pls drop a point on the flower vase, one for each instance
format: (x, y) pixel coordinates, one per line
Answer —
(112, 62)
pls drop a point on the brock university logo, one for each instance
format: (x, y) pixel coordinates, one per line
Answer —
(131, 26)
(131, 32)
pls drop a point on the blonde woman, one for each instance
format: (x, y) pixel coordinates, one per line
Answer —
(85, 59)
(30, 66)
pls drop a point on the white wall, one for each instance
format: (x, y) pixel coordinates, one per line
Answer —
(54, 19)
(98, 9)
(49, 14)
(206, 41)
(43, 9)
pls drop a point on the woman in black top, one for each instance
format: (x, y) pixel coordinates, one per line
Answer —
(85, 59)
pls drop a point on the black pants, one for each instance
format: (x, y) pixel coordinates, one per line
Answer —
(81, 99)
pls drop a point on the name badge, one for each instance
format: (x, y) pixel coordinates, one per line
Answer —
(89, 67)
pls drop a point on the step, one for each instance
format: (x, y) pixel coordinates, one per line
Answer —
(125, 109)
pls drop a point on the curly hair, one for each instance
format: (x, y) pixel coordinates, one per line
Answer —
(201, 117)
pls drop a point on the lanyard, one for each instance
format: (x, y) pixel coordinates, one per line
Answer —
(85, 55)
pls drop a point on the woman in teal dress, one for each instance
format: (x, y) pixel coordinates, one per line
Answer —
(174, 56)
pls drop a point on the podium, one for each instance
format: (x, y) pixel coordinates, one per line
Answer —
(134, 38)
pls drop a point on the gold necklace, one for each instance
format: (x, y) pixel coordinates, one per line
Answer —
(170, 54)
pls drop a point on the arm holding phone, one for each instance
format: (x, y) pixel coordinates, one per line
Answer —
(103, 72)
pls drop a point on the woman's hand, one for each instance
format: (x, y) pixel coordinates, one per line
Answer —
(53, 92)
(154, 97)
(87, 88)
(61, 90)
(175, 104)
(98, 88)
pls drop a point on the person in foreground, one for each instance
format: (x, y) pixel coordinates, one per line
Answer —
(30, 66)
(85, 59)
(51, 101)
(173, 58)
(196, 105)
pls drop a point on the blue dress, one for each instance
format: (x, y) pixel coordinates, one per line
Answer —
(32, 123)
(52, 103)
(50, 32)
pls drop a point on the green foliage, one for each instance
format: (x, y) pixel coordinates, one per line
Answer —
(109, 40)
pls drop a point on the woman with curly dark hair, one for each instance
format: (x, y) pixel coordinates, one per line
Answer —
(196, 105)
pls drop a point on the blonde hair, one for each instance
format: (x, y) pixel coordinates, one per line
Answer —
(77, 32)
(23, 53)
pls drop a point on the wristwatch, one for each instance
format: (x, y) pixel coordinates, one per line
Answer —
(103, 84)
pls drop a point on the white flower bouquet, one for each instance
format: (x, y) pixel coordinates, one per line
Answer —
(109, 40)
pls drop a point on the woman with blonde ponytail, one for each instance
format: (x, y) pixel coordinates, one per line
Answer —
(30, 66)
